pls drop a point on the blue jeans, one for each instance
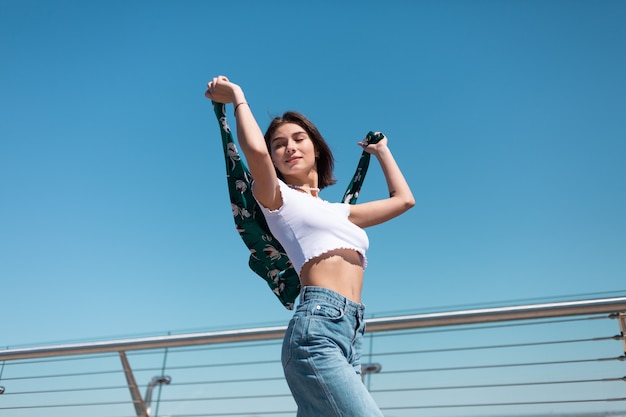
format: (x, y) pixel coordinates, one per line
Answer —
(321, 356)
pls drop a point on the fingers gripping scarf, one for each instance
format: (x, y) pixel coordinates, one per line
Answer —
(267, 256)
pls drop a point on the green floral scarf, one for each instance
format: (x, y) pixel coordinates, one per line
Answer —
(267, 257)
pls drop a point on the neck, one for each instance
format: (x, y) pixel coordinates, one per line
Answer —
(303, 187)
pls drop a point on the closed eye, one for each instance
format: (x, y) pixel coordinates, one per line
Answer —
(278, 143)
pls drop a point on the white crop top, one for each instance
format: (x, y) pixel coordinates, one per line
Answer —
(308, 227)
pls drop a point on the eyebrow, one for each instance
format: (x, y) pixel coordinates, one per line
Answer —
(298, 132)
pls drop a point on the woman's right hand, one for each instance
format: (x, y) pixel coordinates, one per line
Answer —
(251, 141)
(221, 90)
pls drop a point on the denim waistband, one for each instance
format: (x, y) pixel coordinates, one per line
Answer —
(324, 294)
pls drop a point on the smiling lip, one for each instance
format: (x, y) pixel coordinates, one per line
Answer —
(293, 158)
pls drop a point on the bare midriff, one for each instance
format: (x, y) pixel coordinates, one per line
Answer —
(339, 270)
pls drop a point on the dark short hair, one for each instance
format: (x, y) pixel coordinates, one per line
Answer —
(325, 159)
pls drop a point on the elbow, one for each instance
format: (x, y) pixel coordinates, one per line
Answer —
(409, 203)
(404, 203)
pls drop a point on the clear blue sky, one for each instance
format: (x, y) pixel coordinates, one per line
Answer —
(507, 117)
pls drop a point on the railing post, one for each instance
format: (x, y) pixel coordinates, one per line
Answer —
(157, 380)
(369, 368)
(140, 406)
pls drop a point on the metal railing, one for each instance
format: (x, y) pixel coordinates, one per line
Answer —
(413, 364)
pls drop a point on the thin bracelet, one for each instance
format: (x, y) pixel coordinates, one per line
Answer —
(237, 106)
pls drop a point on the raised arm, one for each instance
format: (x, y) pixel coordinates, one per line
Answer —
(251, 141)
(400, 196)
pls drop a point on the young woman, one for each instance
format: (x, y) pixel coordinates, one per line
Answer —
(326, 243)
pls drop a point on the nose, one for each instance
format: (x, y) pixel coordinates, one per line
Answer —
(291, 146)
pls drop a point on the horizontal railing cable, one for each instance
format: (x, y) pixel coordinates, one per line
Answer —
(502, 365)
(110, 403)
(408, 407)
(486, 347)
(227, 397)
(498, 385)
(234, 381)
(504, 404)
(64, 375)
(68, 405)
(280, 378)
(67, 359)
(245, 413)
(151, 369)
(60, 390)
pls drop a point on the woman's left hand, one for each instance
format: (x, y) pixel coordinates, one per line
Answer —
(374, 148)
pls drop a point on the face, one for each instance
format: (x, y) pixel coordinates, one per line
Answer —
(293, 151)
